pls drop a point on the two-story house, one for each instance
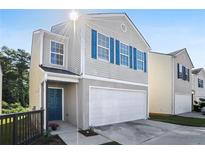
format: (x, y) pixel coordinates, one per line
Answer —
(198, 88)
(91, 71)
(170, 84)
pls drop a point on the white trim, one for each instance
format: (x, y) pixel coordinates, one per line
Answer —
(60, 76)
(128, 55)
(103, 47)
(57, 65)
(63, 105)
(61, 79)
(51, 33)
(113, 80)
(44, 103)
(120, 89)
(41, 48)
(82, 49)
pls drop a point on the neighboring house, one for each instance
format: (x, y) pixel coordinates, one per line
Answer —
(1, 74)
(170, 86)
(198, 87)
(90, 72)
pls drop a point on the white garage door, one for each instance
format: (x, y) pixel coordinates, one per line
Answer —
(182, 103)
(108, 106)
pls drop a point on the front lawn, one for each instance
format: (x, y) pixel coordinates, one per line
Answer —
(179, 120)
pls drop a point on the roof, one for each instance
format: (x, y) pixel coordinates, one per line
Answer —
(197, 70)
(175, 53)
(56, 70)
(115, 14)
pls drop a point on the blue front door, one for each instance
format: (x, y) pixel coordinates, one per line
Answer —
(54, 104)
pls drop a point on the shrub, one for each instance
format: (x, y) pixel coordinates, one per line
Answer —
(5, 105)
(13, 108)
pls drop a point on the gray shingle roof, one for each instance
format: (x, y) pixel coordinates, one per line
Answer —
(196, 71)
(56, 70)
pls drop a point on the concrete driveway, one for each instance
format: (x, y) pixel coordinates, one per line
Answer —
(150, 132)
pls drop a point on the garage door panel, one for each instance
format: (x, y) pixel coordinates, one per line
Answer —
(182, 103)
(107, 106)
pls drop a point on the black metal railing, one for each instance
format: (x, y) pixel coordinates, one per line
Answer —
(21, 128)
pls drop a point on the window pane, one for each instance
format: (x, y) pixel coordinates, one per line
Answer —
(124, 60)
(53, 44)
(123, 49)
(140, 65)
(103, 53)
(56, 53)
(103, 40)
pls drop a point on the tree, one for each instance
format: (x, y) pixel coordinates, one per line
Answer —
(15, 69)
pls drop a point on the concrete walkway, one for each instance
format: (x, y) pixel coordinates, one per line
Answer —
(70, 135)
(193, 115)
(150, 132)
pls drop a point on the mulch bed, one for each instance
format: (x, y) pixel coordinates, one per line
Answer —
(49, 140)
(88, 132)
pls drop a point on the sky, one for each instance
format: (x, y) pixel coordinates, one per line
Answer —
(164, 30)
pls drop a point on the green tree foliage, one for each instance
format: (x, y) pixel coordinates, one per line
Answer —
(13, 108)
(15, 69)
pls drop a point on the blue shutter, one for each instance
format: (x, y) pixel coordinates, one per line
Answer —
(178, 71)
(94, 44)
(117, 47)
(130, 57)
(184, 73)
(112, 50)
(135, 58)
(188, 78)
(145, 62)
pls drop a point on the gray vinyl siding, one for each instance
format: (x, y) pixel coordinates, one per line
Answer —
(47, 38)
(181, 86)
(74, 43)
(71, 52)
(84, 101)
(112, 27)
(199, 92)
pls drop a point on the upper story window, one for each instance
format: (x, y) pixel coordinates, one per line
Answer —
(183, 72)
(103, 47)
(200, 83)
(140, 60)
(57, 53)
(180, 72)
(124, 55)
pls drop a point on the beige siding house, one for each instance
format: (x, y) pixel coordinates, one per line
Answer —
(170, 86)
(90, 72)
(198, 79)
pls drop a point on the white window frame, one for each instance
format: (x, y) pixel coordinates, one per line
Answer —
(101, 59)
(141, 60)
(57, 53)
(128, 55)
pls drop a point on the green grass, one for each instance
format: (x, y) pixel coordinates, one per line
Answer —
(111, 143)
(179, 120)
